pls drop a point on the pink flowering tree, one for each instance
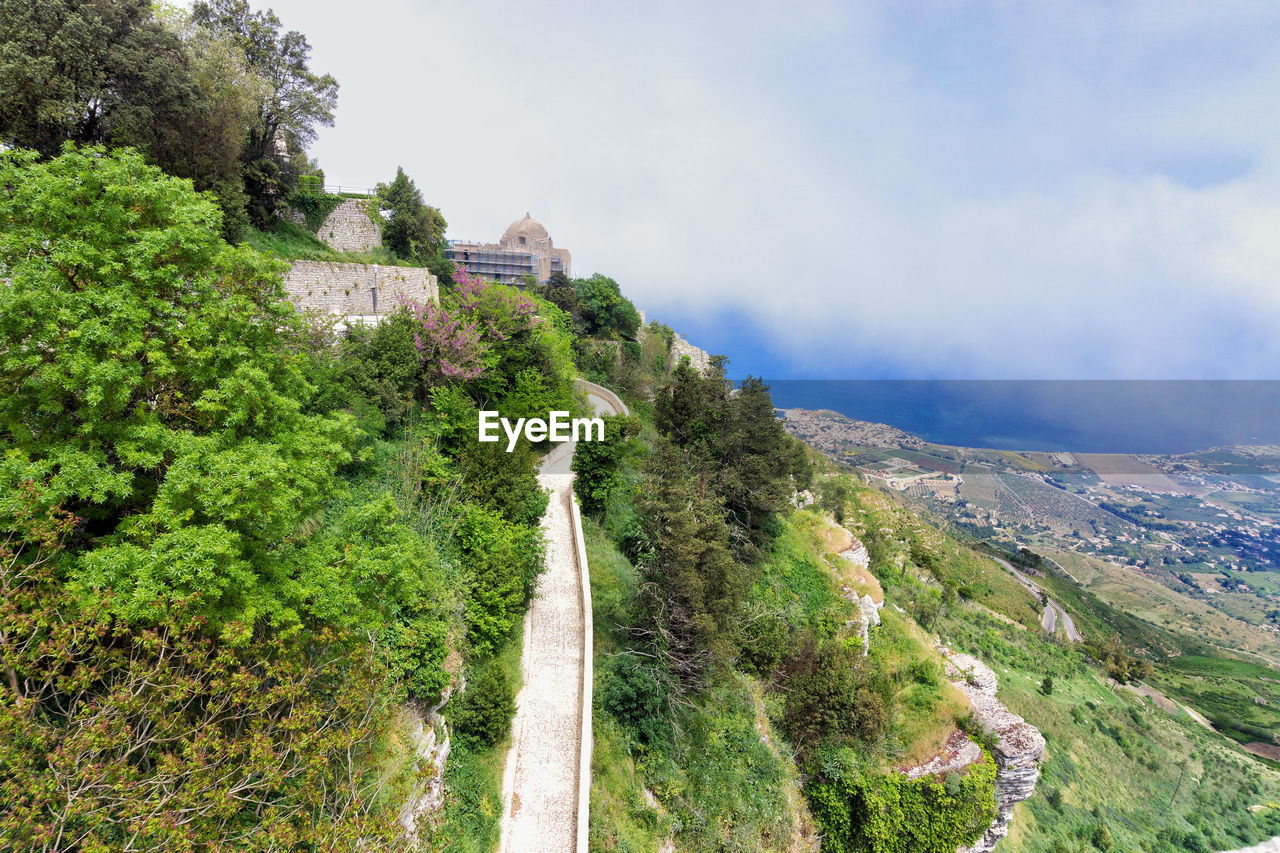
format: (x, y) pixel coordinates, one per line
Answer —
(464, 335)
(448, 339)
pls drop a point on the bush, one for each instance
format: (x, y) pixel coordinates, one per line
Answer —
(483, 714)
(597, 463)
(860, 810)
(637, 697)
(827, 696)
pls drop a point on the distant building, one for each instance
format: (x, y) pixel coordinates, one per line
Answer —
(524, 250)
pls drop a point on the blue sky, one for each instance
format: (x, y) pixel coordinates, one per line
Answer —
(841, 190)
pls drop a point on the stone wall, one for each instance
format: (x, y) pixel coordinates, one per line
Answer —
(345, 289)
(349, 228)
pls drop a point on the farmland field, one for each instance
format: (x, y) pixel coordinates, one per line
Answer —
(1118, 469)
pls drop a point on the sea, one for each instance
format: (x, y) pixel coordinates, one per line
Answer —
(1085, 416)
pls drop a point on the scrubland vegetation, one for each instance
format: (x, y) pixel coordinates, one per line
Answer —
(241, 554)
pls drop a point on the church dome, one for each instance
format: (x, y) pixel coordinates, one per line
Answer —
(526, 227)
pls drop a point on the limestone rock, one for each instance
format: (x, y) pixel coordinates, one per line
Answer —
(1019, 746)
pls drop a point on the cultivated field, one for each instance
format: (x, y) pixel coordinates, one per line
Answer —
(1119, 469)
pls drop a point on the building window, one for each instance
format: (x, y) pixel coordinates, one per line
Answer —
(521, 241)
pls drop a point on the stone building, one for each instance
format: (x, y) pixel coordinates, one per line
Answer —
(349, 229)
(357, 294)
(524, 250)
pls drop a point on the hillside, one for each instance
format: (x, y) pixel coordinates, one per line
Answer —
(269, 585)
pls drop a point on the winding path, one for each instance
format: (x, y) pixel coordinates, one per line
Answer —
(547, 776)
(1053, 611)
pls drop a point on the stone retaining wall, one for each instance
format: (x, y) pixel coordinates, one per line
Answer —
(346, 289)
(349, 228)
(585, 743)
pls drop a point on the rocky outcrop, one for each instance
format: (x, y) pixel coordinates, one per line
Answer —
(857, 554)
(957, 754)
(1019, 746)
(699, 359)
(349, 228)
(868, 607)
(869, 614)
(432, 744)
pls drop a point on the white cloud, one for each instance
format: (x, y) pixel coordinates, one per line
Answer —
(984, 189)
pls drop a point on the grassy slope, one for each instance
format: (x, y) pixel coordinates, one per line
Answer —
(1114, 757)
(293, 242)
(718, 786)
(729, 780)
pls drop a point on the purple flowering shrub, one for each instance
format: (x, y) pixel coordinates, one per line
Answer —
(453, 336)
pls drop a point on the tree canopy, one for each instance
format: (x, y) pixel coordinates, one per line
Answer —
(413, 230)
(153, 387)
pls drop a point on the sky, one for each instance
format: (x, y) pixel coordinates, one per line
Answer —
(940, 189)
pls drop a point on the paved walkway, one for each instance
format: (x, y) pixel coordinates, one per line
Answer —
(540, 787)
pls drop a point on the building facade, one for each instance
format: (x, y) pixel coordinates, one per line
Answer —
(524, 250)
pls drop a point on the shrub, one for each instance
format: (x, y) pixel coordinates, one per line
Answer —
(869, 812)
(1101, 838)
(827, 695)
(482, 717)
(636, 696)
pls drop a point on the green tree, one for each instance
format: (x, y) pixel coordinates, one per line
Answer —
(413, 230)
(115, 73)
(482, 716)
(834, 494)
(295, 100)
(98, 71)
(155, 388)
(693, 588)
(603, 309)
(597, 464)
(827, 696)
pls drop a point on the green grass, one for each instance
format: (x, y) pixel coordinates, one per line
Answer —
(890, 532)
(795, 582)
(293, 242)
(727, 790)
(1116, 758)
(622, 819)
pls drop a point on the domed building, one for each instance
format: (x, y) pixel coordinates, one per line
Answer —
(525, 249)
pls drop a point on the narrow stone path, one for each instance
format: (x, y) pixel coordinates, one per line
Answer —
(541, 784)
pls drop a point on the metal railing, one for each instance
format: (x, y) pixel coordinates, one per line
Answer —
(340, 190)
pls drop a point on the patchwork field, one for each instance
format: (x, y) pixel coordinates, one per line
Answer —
(1118, 469)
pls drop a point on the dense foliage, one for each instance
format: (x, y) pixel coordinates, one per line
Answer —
(232, 544)
(221, 96)
(412, 229)
(887, 813)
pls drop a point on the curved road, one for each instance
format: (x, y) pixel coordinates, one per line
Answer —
(541, 784)
(1052, 611)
